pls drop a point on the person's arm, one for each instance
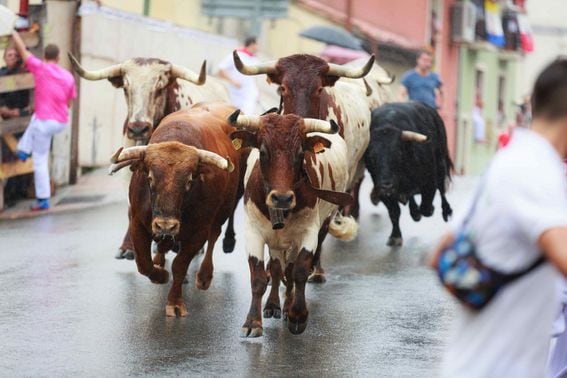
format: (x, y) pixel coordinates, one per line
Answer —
(439, 98)
(553, 243)
(434, 257)
(222, 73)
(403, 93)
(20, 46)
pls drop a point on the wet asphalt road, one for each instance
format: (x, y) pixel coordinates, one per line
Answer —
(70, 309)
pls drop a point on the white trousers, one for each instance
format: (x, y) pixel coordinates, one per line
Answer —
(37, 142)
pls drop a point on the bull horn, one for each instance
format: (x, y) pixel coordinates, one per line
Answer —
(258, 69)
(244, 122)
(105, 73)
(209, 157)
(313, 125)
(351, 72)
(410, 136)
(118, 166)
(368, 88)
(130, 153)
(387, 81)
(186, 74)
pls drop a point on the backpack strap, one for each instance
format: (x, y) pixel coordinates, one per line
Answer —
(509, 277)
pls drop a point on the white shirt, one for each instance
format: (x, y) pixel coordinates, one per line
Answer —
(523, 196)
(246, 96)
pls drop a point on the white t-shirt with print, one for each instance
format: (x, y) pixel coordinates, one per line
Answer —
(246, 96)
(523, 195)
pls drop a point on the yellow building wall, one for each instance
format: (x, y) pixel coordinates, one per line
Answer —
(134, 6)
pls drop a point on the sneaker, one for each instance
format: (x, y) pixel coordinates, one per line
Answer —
(40, 204)
(23, 156)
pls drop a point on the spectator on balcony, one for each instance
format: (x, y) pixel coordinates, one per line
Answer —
(13, 104)
(421, 84)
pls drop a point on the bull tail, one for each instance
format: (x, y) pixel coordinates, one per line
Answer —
(343, 227)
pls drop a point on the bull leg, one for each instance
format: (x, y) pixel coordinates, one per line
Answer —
(318, 275)
(159, 257)
(126, 250)
(395, 239)
(229, 241)
(175, 304)
(272, 307)
(354, 209)
(298, 314)
(447, 210)
(426, 207)
(288, 289)
(414, 210)
(205, 274)
(258, 281)
(142, 244)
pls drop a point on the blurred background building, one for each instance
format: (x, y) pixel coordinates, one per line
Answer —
(482, 48)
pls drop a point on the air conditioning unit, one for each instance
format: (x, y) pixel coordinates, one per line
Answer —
(463, 21)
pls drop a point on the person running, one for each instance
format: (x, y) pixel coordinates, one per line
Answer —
(54, 92)
(242, 89)
(520, 216)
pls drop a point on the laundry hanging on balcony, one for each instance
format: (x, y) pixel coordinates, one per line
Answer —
(494, 30)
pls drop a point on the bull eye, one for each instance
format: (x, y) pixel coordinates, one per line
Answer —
(319, 90)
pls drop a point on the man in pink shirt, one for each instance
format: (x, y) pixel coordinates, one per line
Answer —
(54, 91)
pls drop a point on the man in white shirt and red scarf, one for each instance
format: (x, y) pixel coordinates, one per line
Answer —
(242, 89)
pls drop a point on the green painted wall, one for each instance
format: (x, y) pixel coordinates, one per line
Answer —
(472, 157)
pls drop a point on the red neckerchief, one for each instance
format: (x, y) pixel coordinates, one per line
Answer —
(245, 51)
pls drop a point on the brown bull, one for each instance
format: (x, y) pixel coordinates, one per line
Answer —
(154, 88)
(294, 181)
(183, 189)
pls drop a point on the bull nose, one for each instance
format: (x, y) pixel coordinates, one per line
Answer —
(386, 185)
(282, 200)
(165, 227)
(139, 129)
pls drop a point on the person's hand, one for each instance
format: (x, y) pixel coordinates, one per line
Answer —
(434, 256)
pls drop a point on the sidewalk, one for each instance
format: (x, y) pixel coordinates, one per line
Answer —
(93, 189)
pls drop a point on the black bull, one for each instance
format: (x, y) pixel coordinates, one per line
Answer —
(408, 155)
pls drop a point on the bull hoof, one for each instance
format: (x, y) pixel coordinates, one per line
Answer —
(119, 254)
(447, 213)
(415, 215)
(297, 325)
(159, 275)
(316, 277)
(129, 254)
(252, 329)
(228, 245)
(203, 284)
(427, 211)
(176, 310)
(395, 242)
(272, 311)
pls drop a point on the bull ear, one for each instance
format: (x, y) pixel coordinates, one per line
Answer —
(316, 144)
(330, 80)
(273, 78)
(243, 138)
(116, 81)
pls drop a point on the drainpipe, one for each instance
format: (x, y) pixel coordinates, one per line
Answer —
(146, 7)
